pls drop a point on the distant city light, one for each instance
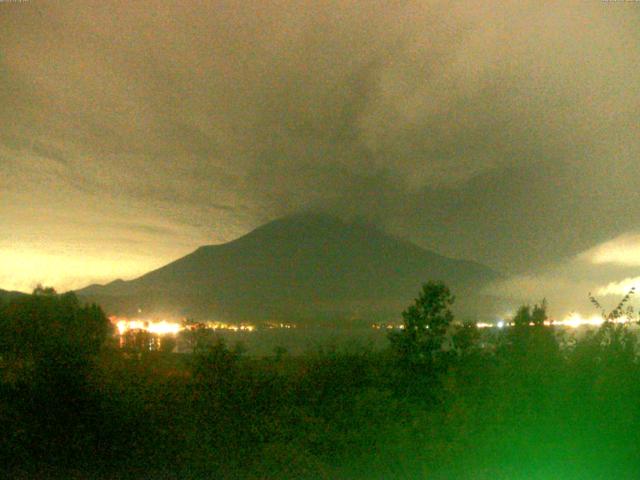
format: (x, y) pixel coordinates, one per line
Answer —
(165, 327)
(575, 320)
(158, 328)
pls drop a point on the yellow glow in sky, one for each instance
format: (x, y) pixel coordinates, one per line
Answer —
(23, 269)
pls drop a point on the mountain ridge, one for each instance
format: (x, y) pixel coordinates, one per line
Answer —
(296, 266)
(7, 295)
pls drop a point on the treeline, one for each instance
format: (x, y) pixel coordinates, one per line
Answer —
(444, 401)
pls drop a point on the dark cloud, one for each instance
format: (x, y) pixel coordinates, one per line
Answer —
(504, 132)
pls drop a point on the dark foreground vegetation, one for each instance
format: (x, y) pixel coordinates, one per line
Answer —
(442, 402)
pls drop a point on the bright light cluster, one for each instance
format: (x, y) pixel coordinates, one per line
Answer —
(243, 327)
(280, 325)
(163, 327)
(573, 320)
(576, 320)
(387, 326)
(158, 328)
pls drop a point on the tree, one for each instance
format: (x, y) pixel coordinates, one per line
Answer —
(465, 339)
(530, 341)
(420, 344)
(614, 340)
(527, 316)
(49, 345)
(168, 344)
(45, 324)
(522, 318)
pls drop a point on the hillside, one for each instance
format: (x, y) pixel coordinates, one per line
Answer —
(296, 268)
(6, 295)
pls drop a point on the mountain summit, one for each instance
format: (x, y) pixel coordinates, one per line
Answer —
(297, 268)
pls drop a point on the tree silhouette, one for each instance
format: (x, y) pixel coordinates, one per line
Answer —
(530, 342)
(614, 340)
(420, 343)
(45, 324)
(49, 349)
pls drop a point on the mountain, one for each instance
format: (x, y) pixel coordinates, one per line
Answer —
(298, 268)
(6, 295)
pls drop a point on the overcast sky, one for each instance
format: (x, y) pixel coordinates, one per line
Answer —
(503, 132)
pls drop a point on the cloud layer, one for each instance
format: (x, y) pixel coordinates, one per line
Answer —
(504, 132)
